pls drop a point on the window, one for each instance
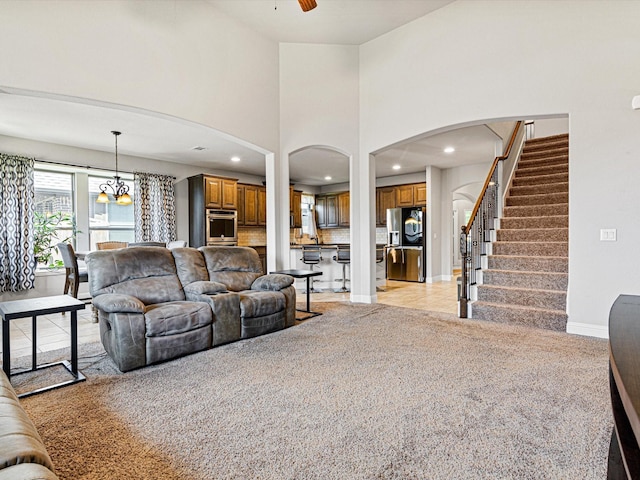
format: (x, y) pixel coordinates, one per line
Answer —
(109, 221)
(54, 213)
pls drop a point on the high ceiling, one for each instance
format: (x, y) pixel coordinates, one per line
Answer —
(337, 22)
(88, 125)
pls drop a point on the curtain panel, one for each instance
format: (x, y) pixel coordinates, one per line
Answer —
(17, 204)
(154, 207)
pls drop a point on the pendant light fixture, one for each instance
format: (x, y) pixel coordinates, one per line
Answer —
(307, 5)
(118, 187)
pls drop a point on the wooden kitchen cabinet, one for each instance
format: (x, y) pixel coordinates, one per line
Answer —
(262, 206)
(327, 210)
(221, 193)
(343, 209)
(208, 192)
(404, 196)
(420, 194)
(240, 205)
(251, 205)
(297, 209)
(385, 198)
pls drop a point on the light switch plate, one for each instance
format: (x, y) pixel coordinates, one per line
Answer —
(608, 234)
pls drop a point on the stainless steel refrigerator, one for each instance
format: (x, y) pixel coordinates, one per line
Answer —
(406, 247)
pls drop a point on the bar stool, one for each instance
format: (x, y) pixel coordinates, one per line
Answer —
(311, 255)
(343, 256)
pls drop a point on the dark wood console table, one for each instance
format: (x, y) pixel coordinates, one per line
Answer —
(624, 379)
(33, 307)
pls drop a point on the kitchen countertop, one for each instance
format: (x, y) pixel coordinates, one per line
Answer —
(330, 246)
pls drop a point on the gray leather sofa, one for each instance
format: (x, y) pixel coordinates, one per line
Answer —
(155, 304)
(23, 456)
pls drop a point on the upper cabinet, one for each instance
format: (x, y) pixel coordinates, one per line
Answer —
(343, 210)
(385, 199)
(220, 193)
(327, 210)
(296, 208)
(332, 210)
(252, 205)
(411, 195)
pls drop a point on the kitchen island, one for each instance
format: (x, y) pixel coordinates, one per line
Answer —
(331, 278)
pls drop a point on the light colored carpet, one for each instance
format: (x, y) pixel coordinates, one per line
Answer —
(362, 392)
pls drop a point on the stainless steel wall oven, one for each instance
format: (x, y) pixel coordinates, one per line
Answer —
(222, 227)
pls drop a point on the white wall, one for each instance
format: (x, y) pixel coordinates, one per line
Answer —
(477, 59)
(180, 58)
(318, 101)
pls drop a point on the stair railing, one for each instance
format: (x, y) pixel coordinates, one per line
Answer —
(476, 234)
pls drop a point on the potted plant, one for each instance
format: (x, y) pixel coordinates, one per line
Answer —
(46, 231)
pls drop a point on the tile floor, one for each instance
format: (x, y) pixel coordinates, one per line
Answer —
(53, 330)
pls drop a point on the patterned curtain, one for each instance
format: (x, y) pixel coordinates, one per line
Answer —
(154, 207)
(17, 204)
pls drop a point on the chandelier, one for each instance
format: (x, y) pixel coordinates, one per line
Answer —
(117, 186)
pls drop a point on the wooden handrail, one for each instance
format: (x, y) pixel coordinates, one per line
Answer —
(504, 156)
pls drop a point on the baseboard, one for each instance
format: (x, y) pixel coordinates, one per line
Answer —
(364, 298)
(588, 330)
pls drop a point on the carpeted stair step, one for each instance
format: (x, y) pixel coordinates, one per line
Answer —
(550, 221)
(545, 188)
(529, 263)
(544, 142)
(526, 297)
(543, 249)
(533, 235)
(541, 179)
(543, 160)
(540, 199)
(536, 210)
(517, 314)
(523, 279)
(551, 151)
(542, 170)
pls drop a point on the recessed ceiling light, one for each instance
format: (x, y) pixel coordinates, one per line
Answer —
(327, 177)
(396, 167)
(449, 150)
(235, 159)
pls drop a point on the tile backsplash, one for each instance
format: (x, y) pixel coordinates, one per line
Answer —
(333, 235)
(248, 236)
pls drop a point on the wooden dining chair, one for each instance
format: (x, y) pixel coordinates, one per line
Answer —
(147, 244)
(110, 245)
(74, 275)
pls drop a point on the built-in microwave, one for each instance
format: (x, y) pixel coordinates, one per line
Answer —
(222, 227)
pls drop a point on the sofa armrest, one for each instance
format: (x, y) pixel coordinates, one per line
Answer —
(118, 303)
(204, 287)
(272, 281)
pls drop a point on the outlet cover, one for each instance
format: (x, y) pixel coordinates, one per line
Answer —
(608, 234)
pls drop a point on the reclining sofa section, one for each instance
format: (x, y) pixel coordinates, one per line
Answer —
(156, 304)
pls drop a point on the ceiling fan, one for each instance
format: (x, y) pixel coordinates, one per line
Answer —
(307, 5)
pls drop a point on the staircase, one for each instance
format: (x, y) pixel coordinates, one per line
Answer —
(526, 279)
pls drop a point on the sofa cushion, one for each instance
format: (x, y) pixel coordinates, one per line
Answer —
(274, 281)
(257, 303)
(190, 265)
(176, 317)
(236, 267)
(19, 439)
(204, 288)
(235, 281)
(147, 273)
